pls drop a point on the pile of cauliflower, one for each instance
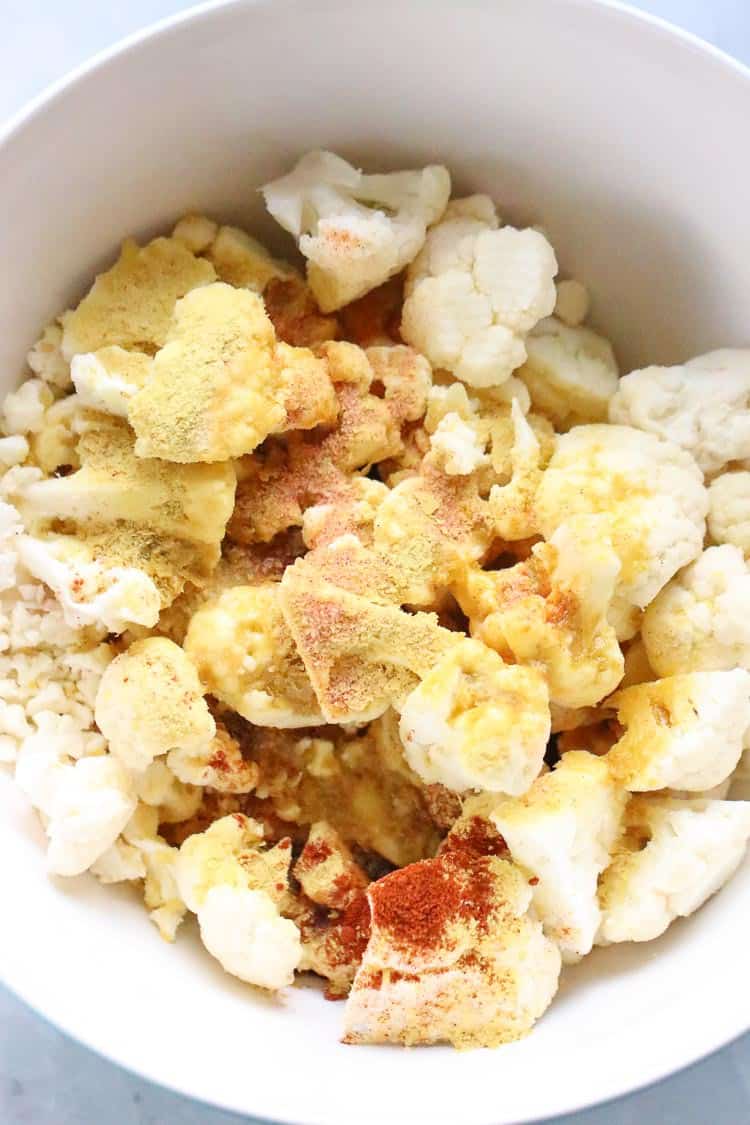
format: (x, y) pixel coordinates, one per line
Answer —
(334, 605)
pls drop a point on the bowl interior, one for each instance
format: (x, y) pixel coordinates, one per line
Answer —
(621, 138)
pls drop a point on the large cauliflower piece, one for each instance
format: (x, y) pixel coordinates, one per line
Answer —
(150, 701)
(475, 722)
(453, 956)
(235, 888)
(355, 230)
(648, 497)
(702, 406)
(682, 732)
(551, 610)
(245, 656)
(476, 291)
(673, 855)
(700, 622)
(562, 832)
(131, 304)
(729, 510)
(571, 373)
(166, 520)
(221, 384)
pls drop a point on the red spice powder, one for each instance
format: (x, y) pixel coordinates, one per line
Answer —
(314, 852)
(477, 837)
(352, 932)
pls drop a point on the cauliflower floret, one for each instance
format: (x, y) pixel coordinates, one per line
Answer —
(572, 302)
(108, 378)
(700, 622)
(355, 230)
(477, 723)
(458, 445)
(326, 870)
(229, 854)
(479, 972)
(219, 765)
(474, 293)
(221, 384)
(245, 656)
(682, 732)
(159, 788)
(729, 510)
(246, 934)
(54, 445)
(90, 593)
(150, 701)
(562, 832)
(13, 450)
(24, 409)
(552, 610)
(160, 894)
(513, 505)
(648, 497)
(570, 372)
(46, 359)
(92, 802)
(244, 262)
(197, 232)
(131, 304)
(702, 406)
(672, 857)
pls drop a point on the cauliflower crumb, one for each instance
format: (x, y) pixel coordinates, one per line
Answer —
(572, 302)
(46, 359)
(702, 406)
(356, 230)
(458, 445)
(700, 622)
(562, 832)
(729, 510)
(570, 372)
(24, 409)
(477, 723)
(673, 855)
(682, 732)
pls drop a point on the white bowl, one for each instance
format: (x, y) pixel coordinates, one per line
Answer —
(627, 140)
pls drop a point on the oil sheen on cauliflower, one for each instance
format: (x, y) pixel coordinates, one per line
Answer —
(648, 496)
(562, 832)
(682, 732)
(355, 230)
(673, 855)
(150, 701)
(475, 722)
(700, 622)
(476, 291)
(702, 406)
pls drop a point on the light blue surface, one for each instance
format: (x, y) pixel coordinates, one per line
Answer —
(45, 1078)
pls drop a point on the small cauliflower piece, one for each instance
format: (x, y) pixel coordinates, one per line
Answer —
(476, 723)
(682, 732)
(24, 409)
(197, 232)
(702, 406)
(92, 803)
(219, 765)
(570, 372)
(648, 497)
(513, 505)
(161, 789)
(229, 854)
(221, 384)
(150, 701)
(160, 893)
(572, 302)
(700, 622)
(246, 934)
(107, 379)
(562, 832)
(326, 870)
(356, 230)
(131, 304)
(245, 656)
(46, 359)
(729, 510)
(474, 970)
(673, 855)
(475, 292)
(459, 446)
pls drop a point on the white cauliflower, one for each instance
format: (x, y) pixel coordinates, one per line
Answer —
(356, 230)
(477, 723)
(93, 800)
(570, 372)
(700, 622)
(672, 857)
(24, 409)
(161, 789)
(13, 450)
(702, 406)
(729, 510)
(572, 303)
(562, 832)
(46, 359)
(475, 292)
(682, 732)
(648, 496)
(459, 446)
(246, 934)
(89, 592)
(150, 701)
(107, 379)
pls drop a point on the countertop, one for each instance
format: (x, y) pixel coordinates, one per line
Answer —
(45, 1078)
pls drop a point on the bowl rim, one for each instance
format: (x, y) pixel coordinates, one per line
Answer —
(657, 26)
